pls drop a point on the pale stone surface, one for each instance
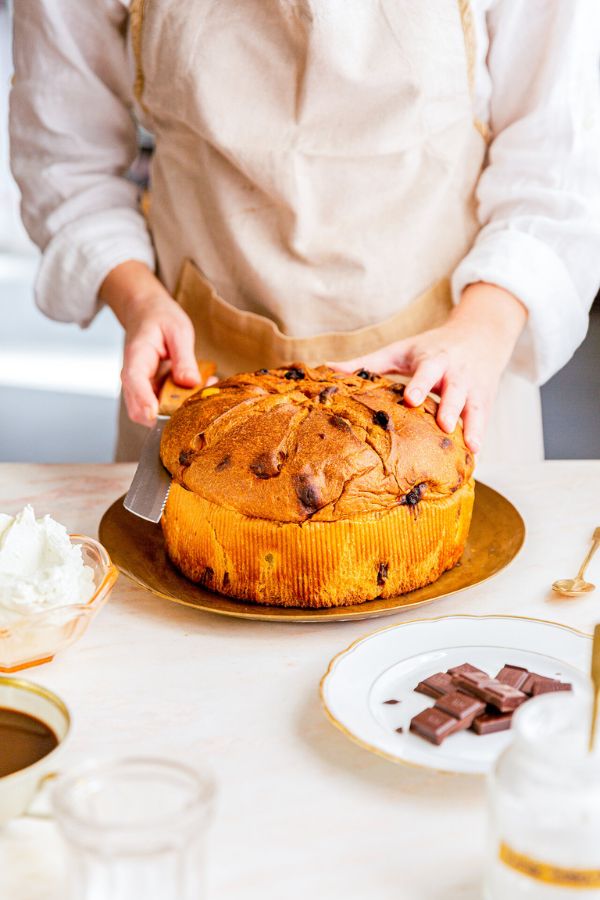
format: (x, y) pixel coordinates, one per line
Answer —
(302, 812)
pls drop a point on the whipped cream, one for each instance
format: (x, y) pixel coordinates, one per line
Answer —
(40, 569)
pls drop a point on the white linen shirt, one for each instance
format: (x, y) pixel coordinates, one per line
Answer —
(536, 86)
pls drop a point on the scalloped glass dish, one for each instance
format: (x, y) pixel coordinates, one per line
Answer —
(37, 638)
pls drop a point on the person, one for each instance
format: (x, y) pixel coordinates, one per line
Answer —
(413, 187)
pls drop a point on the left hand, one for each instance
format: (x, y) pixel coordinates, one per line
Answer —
(462, 360)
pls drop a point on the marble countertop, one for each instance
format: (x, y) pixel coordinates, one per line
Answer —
(301, 810)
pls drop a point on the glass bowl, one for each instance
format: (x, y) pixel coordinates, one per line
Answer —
(35, 639)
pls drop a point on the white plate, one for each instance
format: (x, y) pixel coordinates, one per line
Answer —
(388, 664)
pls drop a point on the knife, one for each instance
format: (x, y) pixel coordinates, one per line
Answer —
(151, 483)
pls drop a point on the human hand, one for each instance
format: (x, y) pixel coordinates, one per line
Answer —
(462, 360)
(158, 335)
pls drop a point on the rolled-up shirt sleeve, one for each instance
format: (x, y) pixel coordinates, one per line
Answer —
(539, 195)
(73, 139)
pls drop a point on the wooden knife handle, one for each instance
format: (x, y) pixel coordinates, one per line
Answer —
(171, 395)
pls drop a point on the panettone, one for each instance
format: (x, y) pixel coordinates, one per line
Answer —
(307, 487)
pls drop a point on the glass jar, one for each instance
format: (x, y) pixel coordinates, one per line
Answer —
(135, 828)
(544, 805)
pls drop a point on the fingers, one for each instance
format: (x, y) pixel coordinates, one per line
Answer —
(475, 418)
(462, 364)
(179, 338)
(452, 402)
(455, 401)
(140, 363)
(164, 367)
(457, 398)
(427, 375)
(159, 339)
(433, 372)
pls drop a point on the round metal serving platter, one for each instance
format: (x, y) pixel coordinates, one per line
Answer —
(137, 548)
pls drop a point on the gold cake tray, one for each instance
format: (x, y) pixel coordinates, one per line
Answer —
(137, 548)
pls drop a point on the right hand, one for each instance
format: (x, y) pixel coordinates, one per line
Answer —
(159, 336)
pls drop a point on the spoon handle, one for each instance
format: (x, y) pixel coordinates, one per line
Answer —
(590, 553)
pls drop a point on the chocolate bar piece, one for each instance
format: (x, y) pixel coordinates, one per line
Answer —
(515, 676)
(489, 723)
(466, 697)
(472, 683)
(436, 685)
(502, 696)
(529, 682)
(460, 705)
(548, 685)
(435, 725)
(540, 684)
(465, 667)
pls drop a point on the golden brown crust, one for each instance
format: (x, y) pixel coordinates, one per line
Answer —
(316, 563)
(306, 487)
(295, 444)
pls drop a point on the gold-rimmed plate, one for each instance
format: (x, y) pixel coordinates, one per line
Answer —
(368, 691)
(137, 548)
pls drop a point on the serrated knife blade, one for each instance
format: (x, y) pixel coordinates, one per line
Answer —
(151, 483)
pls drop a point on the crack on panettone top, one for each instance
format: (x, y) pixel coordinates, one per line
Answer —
(381, 440)
(312, 445)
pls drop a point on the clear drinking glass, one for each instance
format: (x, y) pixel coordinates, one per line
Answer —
(544, 805)
(136, 829)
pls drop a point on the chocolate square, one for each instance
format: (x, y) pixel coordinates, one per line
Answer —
(529, 682)
(515, 676)
(436, 685)
(465, 667)
(503, 697)
(460, 705)
(435, 725)
(472, 683)
(490, 723)
(543, 685)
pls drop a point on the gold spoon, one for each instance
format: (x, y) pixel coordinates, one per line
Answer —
(572, 587)
(595, 673)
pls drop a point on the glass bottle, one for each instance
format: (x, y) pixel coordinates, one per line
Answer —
(135, 828)
(544, 806)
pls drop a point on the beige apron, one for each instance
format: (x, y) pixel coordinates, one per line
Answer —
(317, 161)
